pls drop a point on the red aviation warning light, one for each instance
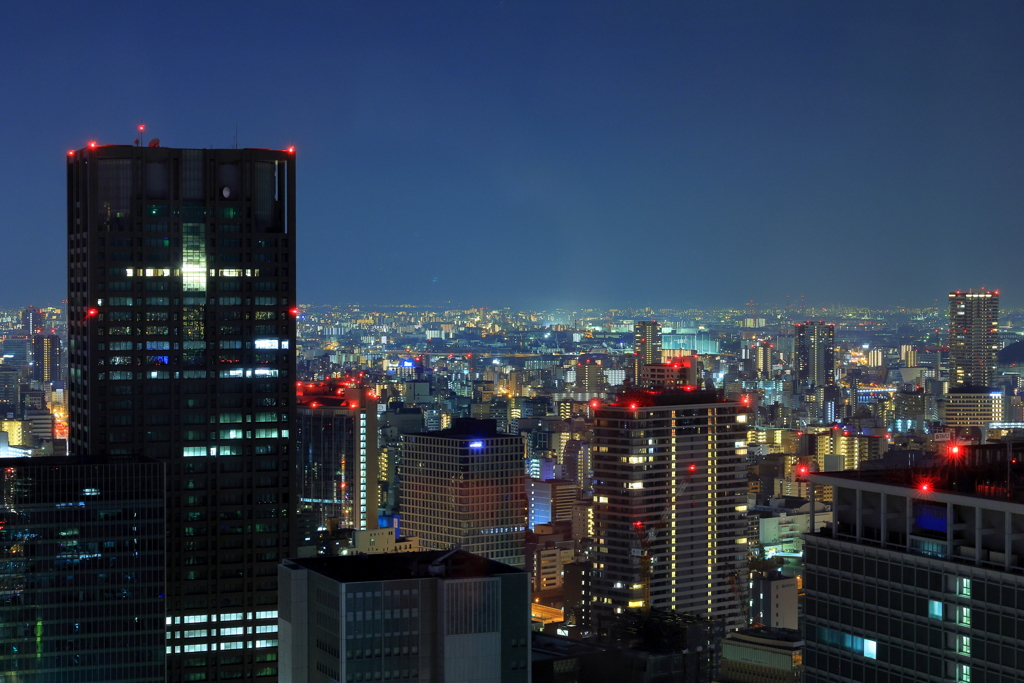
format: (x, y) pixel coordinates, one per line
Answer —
(638, 525)
(954, 450)
(294, 310)
(925, 487)
(595, 404)
(291, 149)
(693, 468)
(92, 144)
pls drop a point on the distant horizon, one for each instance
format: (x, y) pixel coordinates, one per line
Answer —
(758, 307)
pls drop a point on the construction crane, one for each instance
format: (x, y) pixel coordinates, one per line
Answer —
(734, 583)
(645, 535)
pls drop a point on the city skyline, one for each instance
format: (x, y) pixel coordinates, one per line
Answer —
(508, 145)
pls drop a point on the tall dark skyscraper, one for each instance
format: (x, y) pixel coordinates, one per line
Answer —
(181, 326)
(973, 337)
(816, 353)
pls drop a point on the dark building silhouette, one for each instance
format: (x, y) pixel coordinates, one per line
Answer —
(339, 457)
(430, 616)
(815, 353)
(82, 570)
(181, 327)
(32, 320)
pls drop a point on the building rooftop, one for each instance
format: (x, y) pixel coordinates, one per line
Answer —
(463, 427)
(761, 635)
(448, 564)
(981, 471)
(546, 646)
(649, 398)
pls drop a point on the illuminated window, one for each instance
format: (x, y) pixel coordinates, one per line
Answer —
(935, 609)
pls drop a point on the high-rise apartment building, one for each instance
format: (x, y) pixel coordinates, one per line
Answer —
(973, 337)
(646, 346)
(920, 578)
(815, 353)
(82, 570)
(762, 353)
(46, 357)
(465, 487)
(181, 326)
(670, 489)
(338, 454)
(440, 616)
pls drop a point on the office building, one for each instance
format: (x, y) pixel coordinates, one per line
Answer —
(338, 454)
(773, 599)
(10, 392)
(646, 346)
(181, 327)
(920, 578)
(973, 337)
(464, 487)
(440, 616)
(549, 547)
(550, 500)
(762, 655)
(670, 493)
(815, 354)
(32, 321)
(82, 570)
(965, 407)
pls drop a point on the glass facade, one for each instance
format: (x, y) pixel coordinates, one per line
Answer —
(338, 455)
(82, 575)
(170, 253)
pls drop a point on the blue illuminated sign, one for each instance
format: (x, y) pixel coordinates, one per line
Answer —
(476, 444)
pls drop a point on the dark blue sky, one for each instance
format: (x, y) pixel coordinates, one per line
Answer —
(557, 154)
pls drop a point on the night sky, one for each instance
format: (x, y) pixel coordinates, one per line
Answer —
(541, 155)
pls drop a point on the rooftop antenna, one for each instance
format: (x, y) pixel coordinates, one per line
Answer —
(142, 133)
